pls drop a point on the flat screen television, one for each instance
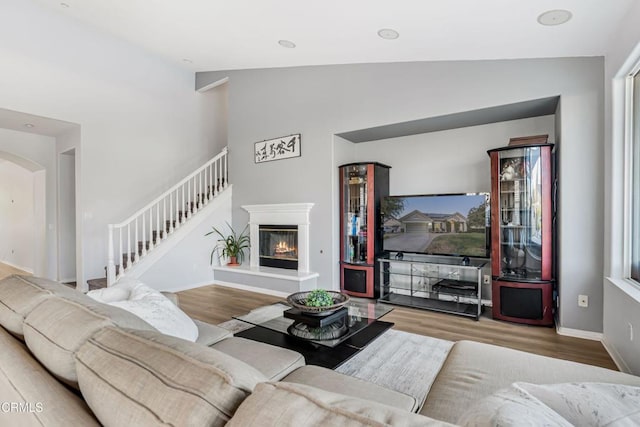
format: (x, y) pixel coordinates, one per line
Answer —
(437, 224)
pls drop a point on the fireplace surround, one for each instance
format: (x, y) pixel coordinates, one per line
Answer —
(289, 214)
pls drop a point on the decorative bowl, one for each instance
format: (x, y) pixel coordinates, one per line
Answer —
(298, 300)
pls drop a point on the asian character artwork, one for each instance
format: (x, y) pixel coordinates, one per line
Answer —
(278, 148)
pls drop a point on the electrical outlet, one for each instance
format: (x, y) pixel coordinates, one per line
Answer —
(487, 279)
(583, 301)
(630, 332)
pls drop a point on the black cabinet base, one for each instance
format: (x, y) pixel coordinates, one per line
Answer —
(523, 302)
(450, 307)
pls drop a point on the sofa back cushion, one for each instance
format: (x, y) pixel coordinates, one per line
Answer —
(288, 404)
(59, 326)
(30, 396)
(19, 295)
(141, 378)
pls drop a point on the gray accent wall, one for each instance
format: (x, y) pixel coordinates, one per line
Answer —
(322, 101)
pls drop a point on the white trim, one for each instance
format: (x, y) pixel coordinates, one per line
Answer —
(251, 289)
(19, 267)
(579, 333)
(627, 171)
(274, 273)
(188, 286)
(213, 85)
(627, 286)
(615, 356)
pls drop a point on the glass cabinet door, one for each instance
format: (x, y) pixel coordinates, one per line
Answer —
(520, 189)
(355, 181)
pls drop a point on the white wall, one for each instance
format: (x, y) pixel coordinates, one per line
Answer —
(622, 300)
(141, 120)
(17, 237)
(322, 101)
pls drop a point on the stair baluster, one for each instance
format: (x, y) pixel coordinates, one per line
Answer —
(129, 260)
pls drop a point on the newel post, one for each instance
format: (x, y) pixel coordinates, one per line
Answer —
(111, 266)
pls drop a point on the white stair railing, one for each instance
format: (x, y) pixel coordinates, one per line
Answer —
(150, 225)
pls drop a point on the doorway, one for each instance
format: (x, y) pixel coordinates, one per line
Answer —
(67, 216)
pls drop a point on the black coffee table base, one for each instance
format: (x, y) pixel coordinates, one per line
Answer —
(315, 354)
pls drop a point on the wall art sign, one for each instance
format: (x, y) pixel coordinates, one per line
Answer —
(284, 147)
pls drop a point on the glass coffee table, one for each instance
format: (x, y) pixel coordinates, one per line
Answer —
(329, 344)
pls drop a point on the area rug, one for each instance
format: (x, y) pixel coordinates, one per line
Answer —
(400, 361)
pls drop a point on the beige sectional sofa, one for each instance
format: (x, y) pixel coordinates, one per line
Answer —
(69, 360)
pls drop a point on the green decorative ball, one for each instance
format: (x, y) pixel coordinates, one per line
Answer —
(318, 298)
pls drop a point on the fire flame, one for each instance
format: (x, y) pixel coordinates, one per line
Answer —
(283, 247)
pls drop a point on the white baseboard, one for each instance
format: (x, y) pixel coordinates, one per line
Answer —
(19, 267)
(252, 289)
(579, 333)
(188, 286)
(228, 285)
(615, 356)
(68, 280)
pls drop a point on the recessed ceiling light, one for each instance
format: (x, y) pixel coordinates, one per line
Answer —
(286, 43)
(554, 17)
(187, 61)
(388, 34)
(65, 5)
(29, 125)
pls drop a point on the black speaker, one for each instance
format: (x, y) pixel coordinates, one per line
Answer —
(522, 303)
(355, 280)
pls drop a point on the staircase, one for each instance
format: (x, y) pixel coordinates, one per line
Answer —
(133, 240)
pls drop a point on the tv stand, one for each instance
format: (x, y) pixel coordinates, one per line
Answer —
(439, 283)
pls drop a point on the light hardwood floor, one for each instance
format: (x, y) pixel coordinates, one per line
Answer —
(216, 304)
(7, 270)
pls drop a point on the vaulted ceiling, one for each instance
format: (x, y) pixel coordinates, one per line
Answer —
(205, 35)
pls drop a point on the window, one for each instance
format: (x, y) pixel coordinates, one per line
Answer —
(634, 181)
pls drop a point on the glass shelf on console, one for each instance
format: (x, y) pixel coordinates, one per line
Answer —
(446, 284)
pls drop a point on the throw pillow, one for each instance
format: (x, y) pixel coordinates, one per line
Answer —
(568, 404)
(118, 292)
(149, 305)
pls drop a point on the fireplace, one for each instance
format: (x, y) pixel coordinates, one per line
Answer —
(293, 214)
(278, 246)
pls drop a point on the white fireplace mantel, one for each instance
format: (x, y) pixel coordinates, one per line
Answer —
(281, 214)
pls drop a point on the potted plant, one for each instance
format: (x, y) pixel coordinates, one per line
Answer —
(233, 245)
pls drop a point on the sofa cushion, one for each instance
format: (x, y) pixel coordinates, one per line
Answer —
(475, 370)
(142, 378)
(274, 362)
(336, 382)
(59, 326)
(19, 295)
(209, 334)
(43, 400)
(288, 404)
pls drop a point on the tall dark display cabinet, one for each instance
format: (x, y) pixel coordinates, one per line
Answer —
(362, 187)
(523, 233)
